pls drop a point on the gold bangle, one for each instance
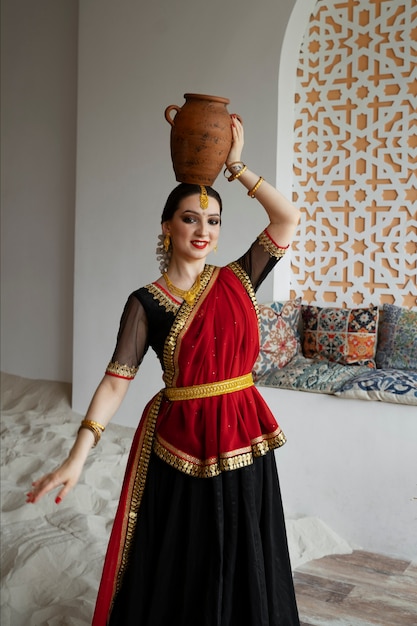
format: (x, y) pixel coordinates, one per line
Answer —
(94, 430)
(239, 173)
(228, 166)
(253, 191)
(90, 422)
(93, 427)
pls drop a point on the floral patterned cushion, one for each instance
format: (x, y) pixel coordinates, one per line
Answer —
(392, 385)
(310, 375)
(279, 336)
(342, 335)
(397, 341)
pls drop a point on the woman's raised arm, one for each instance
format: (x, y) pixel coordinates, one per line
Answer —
(283, 215)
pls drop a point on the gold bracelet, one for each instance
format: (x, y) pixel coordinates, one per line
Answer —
(90, 422)
(253, 191)
(228, 166)
(239, 173)
(95, 428)
(96, 432)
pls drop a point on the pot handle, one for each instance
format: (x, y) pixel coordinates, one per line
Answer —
(172, 107)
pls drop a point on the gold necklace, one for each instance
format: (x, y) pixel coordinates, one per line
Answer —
(189, 295)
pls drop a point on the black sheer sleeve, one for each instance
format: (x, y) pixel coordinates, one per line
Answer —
(132, 341)
(261, 258)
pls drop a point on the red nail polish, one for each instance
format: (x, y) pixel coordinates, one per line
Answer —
(58, 500)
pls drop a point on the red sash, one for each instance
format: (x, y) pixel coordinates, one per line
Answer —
(127, 511)
(216, 340)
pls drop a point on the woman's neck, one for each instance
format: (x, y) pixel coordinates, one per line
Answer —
(184, 274)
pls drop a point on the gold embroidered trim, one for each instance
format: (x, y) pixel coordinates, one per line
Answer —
(208, 390)
(270, 246)
(115, 368)
(182, 319)
(162, 298)
(214, 466)
(247, 283)
(138, 487)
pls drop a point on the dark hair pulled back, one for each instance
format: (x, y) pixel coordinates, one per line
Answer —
(183, 190)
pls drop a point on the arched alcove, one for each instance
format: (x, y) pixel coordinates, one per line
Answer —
(347, 114)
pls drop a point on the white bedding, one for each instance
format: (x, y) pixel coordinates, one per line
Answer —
(52, 555)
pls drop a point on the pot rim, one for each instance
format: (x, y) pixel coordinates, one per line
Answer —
(203, 96)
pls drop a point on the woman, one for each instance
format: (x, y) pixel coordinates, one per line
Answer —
(199, 535)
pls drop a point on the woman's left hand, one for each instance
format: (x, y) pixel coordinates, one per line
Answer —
(237, 141)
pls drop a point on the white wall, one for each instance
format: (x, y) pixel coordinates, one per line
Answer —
(38, 131)
(134, 60)
(352, 463)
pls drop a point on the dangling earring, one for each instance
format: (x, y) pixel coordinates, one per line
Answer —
(163, 256)
(167, 242)
(215, 248)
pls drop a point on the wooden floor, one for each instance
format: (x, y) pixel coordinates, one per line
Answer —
(358, 589)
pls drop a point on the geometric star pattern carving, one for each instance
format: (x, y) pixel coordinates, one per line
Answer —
(355, 155)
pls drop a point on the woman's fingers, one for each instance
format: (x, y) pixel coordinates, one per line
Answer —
(42, 486)
(237, 126)
(65, 477)
(237, 140)
(63, 492)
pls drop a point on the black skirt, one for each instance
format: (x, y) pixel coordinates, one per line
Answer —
(209, 552)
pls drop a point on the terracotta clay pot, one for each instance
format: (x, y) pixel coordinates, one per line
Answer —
(201, 137)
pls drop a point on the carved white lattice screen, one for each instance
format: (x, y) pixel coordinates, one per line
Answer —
(355, 155)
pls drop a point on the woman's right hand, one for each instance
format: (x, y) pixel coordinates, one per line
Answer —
(66, 477)
(106, 400)
(67, 474)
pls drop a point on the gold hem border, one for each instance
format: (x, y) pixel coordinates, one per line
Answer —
(225, 462)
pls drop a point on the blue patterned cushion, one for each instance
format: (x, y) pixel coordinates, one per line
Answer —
(310, 375)
(397, 341)
(390, 385)
(279, 337)
(343, 335)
